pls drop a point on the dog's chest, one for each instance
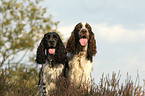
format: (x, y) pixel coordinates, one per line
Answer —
(51, 74)
(80, 69)
(80, 62)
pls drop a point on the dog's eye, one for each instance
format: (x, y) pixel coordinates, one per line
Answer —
(79, 27)
(88, 27)
(48, 36)
(54, 36)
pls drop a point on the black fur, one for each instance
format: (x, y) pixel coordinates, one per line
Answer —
(52, 40)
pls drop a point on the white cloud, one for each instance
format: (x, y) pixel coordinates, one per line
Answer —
(117, 33)
(66, 31)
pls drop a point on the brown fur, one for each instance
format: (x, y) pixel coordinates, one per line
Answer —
(74, 47)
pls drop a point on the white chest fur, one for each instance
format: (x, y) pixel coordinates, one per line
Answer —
(51, 76)
(80, 69)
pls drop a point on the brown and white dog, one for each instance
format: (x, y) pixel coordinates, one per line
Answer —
(81, 47)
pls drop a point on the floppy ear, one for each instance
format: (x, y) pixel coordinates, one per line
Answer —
(91, 47)
(60, 55)
(40, 56)
(71, 44)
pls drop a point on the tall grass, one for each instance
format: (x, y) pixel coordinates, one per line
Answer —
(106, 87)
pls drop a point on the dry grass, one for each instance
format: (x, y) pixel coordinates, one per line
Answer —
(16, 88)
(106, 87)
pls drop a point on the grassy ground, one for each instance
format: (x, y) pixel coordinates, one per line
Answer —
(106, 87)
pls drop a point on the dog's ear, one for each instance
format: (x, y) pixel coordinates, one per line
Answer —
(60, 51)
(91, 47)
(40, 56)
(70, 48)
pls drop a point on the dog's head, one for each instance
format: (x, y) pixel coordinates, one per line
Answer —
(51, 44)
(81, 36)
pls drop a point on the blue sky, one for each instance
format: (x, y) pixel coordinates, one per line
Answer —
(119, 27)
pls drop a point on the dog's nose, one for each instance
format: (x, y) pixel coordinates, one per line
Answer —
(84, 32)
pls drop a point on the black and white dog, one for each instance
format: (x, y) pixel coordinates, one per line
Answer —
(51, 53)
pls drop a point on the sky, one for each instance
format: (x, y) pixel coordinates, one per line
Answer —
(119, 28)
